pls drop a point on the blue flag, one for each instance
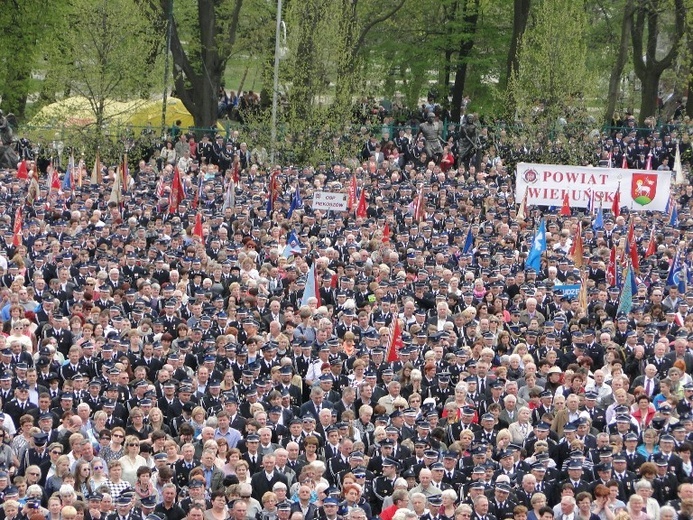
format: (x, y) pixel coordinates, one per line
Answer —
(599, 220)
(292, 245)
(538, 248)
(677, 276)
(296, 203)
(311, 289)
(674, 219)
(468, 242)
(625, 302)
(67, 180)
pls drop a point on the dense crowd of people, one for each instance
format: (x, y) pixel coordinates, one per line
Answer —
(190, 338)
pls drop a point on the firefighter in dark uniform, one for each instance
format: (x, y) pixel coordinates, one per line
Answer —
(384, 485)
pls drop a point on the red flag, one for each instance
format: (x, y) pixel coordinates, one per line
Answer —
(396, 343)
(177, 192)
(634, 259)
(630, 237)
(272, 190)
(386, 233)
(316, 284)
(652, 246)
(17, 229)
(616, 205)
(22, 170)
(235, 173)
(125, 172)
(648, 163)
(577, 249)
(611, 268)
(361, 208)
(197, 229)
(565, 208)
(624, 164)
(418, 207)
(351, 202)
(55, 180)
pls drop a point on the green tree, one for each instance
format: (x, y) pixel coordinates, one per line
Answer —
(648, 17)
(203, 36)
(620, 62)
(23, 34)
(103, 53)
(552, 73)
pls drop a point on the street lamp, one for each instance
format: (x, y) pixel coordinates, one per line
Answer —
(275, 88)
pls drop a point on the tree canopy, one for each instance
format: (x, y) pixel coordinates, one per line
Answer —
(512, 58)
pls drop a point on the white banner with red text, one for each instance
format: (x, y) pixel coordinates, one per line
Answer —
(547, 185)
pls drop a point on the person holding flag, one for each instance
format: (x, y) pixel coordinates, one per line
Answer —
(538, 248)
(296, 203)
(293, 245)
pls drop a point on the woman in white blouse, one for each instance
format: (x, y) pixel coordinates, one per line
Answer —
(132, 460)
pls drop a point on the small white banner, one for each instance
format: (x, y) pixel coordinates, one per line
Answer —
(329, 201)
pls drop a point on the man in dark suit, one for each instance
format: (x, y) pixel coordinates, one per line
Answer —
(309, 510)
(501, 505)
(575, 471)
(20, 405)
(253, 456)
(346, 402)
(316, 404)
(185, 465)
(481, 509)
(285, 377)
(62, 335)
(648, 381)
(264, 480)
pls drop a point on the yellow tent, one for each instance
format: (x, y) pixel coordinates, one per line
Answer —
(76, 111)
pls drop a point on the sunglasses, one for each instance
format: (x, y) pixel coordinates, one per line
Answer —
(133, 445)
(117, 435)
(96, 468)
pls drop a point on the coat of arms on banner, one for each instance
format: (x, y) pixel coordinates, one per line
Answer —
(643, 188)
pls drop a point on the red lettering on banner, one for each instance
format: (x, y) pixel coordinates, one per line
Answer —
(574, 177)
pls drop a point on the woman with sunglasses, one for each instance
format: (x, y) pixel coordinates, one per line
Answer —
(114, 449)
(132, 459)
(82, 476)
(99, 474)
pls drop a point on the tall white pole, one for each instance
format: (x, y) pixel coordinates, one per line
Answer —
(275, 88)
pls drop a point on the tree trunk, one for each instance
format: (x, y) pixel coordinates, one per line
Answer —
(689, 93)
(648, 97)
(619, 64)
(521, 10)
(471, 18)
(197, 78)
(650, 69)
(689, 101)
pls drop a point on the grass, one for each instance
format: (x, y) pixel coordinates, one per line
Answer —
(236, 68)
